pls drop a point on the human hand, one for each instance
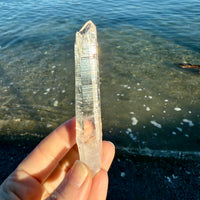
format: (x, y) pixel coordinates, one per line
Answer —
(52, 171)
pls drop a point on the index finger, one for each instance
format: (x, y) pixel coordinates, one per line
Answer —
(46, 156)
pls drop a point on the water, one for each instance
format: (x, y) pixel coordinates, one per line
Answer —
(148, 103)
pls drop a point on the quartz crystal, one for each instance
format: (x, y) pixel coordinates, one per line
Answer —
(88, 110)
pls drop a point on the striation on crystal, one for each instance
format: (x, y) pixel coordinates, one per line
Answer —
(87, 96)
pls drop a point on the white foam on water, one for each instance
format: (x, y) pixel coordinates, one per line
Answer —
(134, 138)
(186, 135)
(134, 121)
(177, 109)
(190, 123)
(188, 172)
(126, 86)
(122, 174)
(129, 130)
(155, 134)
(168, 179)
(49, 125)
(148, 109)
(179, 129)
(55, 103)
(174, 177)
(156, 124)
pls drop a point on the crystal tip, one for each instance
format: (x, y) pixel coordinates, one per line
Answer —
(87, 26)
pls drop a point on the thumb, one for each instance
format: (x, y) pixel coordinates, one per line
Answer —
(76, 185)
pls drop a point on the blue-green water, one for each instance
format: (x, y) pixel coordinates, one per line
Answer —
(147, 101)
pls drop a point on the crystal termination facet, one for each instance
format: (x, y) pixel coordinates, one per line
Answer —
(87, 95)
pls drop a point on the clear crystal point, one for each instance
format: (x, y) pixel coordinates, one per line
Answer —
(88, 110)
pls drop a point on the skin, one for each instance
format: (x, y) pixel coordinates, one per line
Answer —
(52, 171)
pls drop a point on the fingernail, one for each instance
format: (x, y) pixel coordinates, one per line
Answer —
(78, 174)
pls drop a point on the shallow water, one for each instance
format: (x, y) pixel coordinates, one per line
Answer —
(147, 101)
